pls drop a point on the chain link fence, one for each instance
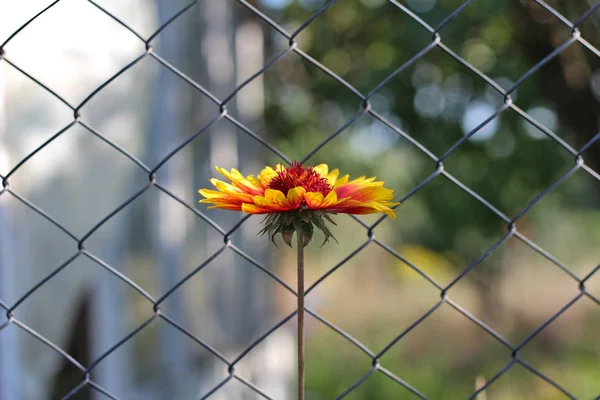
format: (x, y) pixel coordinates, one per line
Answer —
(221, 112)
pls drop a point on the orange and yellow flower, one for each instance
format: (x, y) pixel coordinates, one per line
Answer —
(280, 190)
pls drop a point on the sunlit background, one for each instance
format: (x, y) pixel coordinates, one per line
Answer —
(54, 66)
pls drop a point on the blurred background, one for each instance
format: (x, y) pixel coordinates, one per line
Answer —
(99, 146)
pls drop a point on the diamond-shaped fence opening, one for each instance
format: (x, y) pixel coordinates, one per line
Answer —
(483, 116)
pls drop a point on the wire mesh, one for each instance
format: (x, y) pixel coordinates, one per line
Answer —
(221, 113)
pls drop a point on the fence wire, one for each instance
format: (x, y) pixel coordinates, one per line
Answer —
(221, 113)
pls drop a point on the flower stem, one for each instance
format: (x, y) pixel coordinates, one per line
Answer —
(300, 268)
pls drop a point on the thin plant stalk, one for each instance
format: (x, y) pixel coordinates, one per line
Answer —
(300, 245)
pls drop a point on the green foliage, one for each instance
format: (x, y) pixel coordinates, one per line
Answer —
(436, 100)
(365, 42)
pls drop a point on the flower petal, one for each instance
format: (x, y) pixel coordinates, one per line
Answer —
(295, 196)
(272, 196)
(209, 194)
(342, 181)
(322, 169)
(364, 190)
(230, 190)
(239, 181)
(266, 175)
(316, 200)
(254, 209)
(256, 182)
(332, 176)
(275, 201)
(227, 196)
(227, 206)
(349, 206)
(330, 199)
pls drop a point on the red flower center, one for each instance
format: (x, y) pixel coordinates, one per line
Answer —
(297, 175)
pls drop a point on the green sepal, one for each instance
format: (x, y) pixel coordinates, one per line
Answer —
(317, 219)
(305, 230)
(306, 215)
(302, 222)
(287, 234)
(328, 218)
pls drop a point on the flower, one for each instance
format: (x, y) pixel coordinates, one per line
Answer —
(297, 197)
